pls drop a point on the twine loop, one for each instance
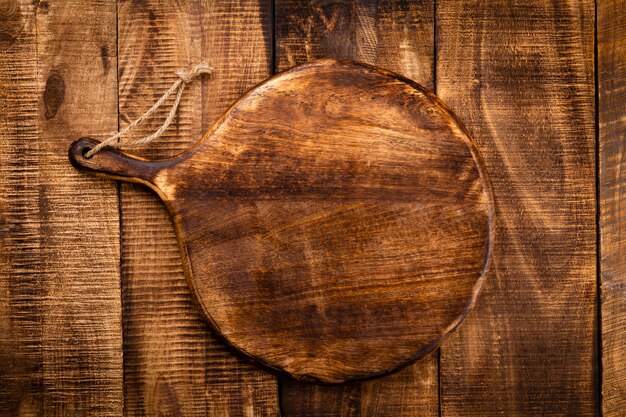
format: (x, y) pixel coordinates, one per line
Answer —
(184, 78)
(196, 71)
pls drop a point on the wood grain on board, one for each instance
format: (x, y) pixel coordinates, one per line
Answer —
(612, 147)
(361, 220)
(173, 364)
(60, 310)
(520, 75)
(397, 35)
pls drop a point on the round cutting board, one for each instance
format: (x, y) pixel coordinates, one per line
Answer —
(335, 224)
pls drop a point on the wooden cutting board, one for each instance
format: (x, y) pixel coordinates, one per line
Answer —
(335, 224)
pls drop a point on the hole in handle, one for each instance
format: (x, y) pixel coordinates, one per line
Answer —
(85, 151)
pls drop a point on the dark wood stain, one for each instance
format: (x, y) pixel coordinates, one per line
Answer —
(166, 399)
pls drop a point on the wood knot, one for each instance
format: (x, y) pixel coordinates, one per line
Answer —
(11, 23)
(42, 4)
(104, 54)
(54, 95)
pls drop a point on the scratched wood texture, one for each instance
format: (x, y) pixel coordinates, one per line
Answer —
(521, 76)
(399, 36)
(173, 364)
(60, 310)
(81, 336)
(612, 178)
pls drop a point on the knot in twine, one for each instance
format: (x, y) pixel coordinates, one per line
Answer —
(184, 78)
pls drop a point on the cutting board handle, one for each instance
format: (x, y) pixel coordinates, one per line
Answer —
(114, 164)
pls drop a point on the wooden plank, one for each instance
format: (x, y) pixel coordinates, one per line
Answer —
(60, 250)
(612, 145)
(410, 392)
(82, 364)
(23, 265)
(394, 34)
(520, 75)
(173, 364)
(397, 35)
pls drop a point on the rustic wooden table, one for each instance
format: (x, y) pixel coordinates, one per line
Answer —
(95, 315)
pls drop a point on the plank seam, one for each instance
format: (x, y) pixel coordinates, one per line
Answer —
(273, 23)
(42, 370)
(598, 324)
(435, 61)
(118, 186)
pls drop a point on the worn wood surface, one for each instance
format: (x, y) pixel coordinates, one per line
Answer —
(60, 312)
(361, 219)
(397, 35)
(173, 364)
(521, 76)
(612, 146)
(530, 346)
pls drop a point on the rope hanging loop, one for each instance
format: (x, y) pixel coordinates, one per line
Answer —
(184, 78)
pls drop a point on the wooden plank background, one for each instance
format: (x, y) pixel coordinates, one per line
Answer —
(612, 198)
(173, 364)
(521, 76)
(95, 314)
(61, 330)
